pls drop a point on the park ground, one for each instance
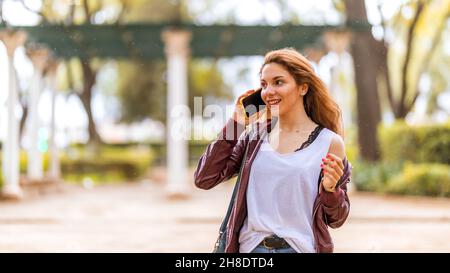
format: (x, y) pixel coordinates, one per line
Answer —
(138, 217)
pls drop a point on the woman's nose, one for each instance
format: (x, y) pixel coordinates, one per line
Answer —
(270, 90)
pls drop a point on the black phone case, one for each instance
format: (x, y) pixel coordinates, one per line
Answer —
(253, 103)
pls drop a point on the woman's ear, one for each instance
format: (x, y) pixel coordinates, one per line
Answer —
(303, 89)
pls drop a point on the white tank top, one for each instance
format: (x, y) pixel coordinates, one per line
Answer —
(281, 193)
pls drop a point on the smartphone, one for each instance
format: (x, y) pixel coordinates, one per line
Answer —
(253, 103)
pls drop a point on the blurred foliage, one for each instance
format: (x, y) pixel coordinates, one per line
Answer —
(419, 144)
(421, 179)
(412, 60)
(415, 160)
(428, 57)
(155, 11)
(439, 77)
(195, 147)
(142, 89)
(112, 162)
(370, 176)
(430, 179)
(206, 80)
(351, 143)
(352, 152)
(108, 163)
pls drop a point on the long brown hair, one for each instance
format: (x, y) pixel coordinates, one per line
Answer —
(318, 103)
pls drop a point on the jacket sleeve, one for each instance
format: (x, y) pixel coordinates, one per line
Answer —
(222, 158)
(336, 205)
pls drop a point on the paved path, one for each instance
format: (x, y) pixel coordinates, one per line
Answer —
(137, 217)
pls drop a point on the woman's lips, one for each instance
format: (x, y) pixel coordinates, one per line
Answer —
(273, 102)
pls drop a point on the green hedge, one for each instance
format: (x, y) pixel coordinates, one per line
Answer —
(419, 144)
(421, 179)
(369, 176)
(196, 149)
(430, 179)
(414, 160)
(114, 161)
(159, 150)
(106, 164)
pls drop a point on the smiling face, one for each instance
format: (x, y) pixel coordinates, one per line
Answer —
(280, 91)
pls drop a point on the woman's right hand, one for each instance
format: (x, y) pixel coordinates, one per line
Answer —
(239, 111)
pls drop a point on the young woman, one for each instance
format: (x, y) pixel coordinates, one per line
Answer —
(293, 181)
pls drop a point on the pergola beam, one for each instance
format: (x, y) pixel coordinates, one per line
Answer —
(143, 41)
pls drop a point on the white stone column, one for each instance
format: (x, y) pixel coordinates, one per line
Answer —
(11, 188)
(39, 58)
(54, 171)
(177, 53)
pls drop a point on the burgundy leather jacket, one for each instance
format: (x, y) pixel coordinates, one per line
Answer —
(222, 161)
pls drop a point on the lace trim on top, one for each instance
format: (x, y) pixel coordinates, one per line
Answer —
(311, 138)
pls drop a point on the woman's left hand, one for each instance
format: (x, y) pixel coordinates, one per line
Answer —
(333, 169)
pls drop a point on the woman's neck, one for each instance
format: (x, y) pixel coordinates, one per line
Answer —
(295, 120)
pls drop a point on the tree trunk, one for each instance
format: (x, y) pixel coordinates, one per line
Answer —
(402, 110)
(86, 97)
(363, 50)
(383, 72)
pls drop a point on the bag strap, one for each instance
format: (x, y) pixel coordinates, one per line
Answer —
(236, 187)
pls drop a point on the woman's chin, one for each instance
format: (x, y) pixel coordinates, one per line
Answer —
(275, 111)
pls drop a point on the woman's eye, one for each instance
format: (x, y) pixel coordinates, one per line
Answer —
(279, 82)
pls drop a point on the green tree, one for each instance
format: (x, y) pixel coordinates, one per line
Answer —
(420, 35)
(440, 80)
(390, 68)
(141, 87)
(410, 47)
(79, 70)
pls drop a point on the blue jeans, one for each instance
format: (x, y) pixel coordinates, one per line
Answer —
(262, 249)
